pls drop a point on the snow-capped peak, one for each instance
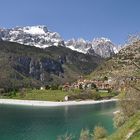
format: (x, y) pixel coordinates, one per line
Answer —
(38, 36)
(41, 37)
(101, 46)
(35, 30)
(102, 39)
(79, 45)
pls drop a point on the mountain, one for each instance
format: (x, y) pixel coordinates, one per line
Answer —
(124, 64)
(38, 36)
(79, 45)
(29, 66)
(101, 46)
(41, 37)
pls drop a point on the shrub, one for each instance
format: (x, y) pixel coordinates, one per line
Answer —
(60, 87)
(22, 92)
(80, 86)
(47, 87)
(99, 132)
(54, 87)
(84, 135)
(85, 95)
(105, 78)
(12, 93)
(65, 137)
(96, 96)
(93, 86)
(119, 119)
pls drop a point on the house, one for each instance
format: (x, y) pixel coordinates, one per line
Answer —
(66, 86)
(66, 98)
(91, 84)
(42, 88)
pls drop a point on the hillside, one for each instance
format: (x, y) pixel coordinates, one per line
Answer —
(129, 131)
(123, 71)
(126, 63)
(28, 66)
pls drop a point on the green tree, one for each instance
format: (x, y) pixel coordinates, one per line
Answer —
(105, 78)
(54, 87)
(93, 86)
(80, 86)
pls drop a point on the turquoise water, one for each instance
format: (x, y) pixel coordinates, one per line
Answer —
(46, 123)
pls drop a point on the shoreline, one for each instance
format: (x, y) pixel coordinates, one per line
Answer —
(51, 103)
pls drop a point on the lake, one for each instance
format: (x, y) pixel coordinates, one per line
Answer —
(46, 123)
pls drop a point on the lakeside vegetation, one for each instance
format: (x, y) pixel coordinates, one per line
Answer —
(129, 131)
(58, 95)
(126, 119)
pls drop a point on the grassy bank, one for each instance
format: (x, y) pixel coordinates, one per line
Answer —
(45, 95)
(129, 131)
(57, 95)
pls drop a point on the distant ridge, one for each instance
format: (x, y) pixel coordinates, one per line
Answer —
(41, 37)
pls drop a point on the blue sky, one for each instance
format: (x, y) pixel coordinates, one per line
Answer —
(114, 19)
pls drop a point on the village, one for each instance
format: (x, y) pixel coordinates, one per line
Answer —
(103, 85)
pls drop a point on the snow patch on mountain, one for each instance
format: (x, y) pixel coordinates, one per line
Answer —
(39, 30)
(41, 37)
(79, 45)
(38, 36)
(101, 46)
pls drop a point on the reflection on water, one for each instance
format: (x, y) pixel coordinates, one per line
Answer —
(46, 123)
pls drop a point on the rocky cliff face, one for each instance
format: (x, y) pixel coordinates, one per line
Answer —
(24, 66)
(37, 69)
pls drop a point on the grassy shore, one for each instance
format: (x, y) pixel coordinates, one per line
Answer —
(129, 131)
(57, 95)
(45, 95)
